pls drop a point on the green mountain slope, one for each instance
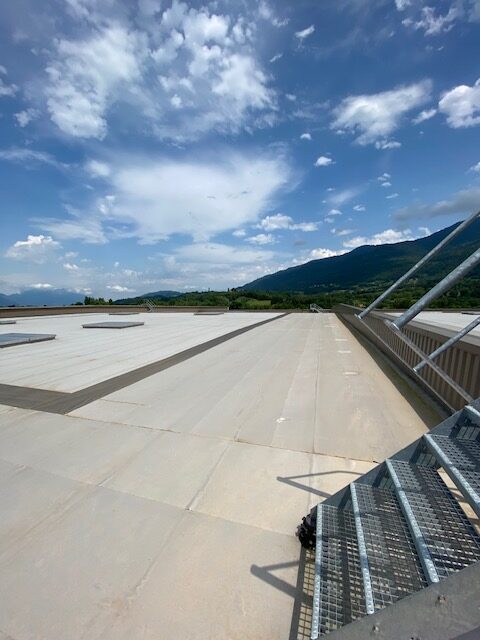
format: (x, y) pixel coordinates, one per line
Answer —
(373, 267)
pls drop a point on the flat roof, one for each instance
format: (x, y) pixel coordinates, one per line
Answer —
(450, 321)
(167, 508)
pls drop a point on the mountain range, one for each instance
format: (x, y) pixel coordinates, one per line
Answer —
(372, 266)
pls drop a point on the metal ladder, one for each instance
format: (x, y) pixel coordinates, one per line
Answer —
(149, 304)
(398, 528)
(314, 308)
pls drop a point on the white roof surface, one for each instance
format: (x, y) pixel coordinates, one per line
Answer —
(168, 509)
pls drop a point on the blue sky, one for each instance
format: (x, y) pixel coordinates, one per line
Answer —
(151, 144)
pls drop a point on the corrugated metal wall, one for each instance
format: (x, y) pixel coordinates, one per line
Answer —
(461, 362)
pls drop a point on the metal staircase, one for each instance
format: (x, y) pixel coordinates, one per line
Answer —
(398, 528)
(149, 304)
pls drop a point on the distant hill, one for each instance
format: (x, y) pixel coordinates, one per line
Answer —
(41, 297)
(153, 295)
(372, 266)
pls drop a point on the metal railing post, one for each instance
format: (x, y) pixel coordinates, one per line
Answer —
(463, 225)
(446, 345)
(444, 285)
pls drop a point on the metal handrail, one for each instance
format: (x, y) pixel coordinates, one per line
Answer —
(463, 225)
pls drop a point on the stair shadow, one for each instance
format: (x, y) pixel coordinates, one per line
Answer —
(292, 481)
(302, 592)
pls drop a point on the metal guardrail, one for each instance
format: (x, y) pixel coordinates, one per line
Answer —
(395, 327)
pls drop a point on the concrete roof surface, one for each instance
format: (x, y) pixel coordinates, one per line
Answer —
(167, 509)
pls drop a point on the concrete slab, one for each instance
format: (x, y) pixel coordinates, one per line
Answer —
(246, 592)
(88, 563)
(173, 468)
(78, 358)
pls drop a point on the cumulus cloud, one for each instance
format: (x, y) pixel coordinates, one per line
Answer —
(24, 117)
(476, 167)
(37, 249)
(306, 136)
(359, 207)
(323, 161)
(304, 33)
(461, 105)
(373, 118)
(462, 202)
(320, 254)
(389, 236)
(392, 196)
(185, 72)
(262, 238)
(280, 221)
(402, 4)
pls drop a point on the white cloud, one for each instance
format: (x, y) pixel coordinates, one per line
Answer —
(301, 35)
(277, 221)
(432, 24)
(266, 12)
(87, 76)
(359, 207)
(37, 249)
(290, 96)
(145, 200)
(392, 196)
(305, 226)
(375, 117)
(339, 198)
(334, 212)
(119, 289)
(426, 114)
(78, 227)
(41, 285)
(70, 266)
(342, 232)
(320, 254)
(461, 105)
(402, 4)
(26, 116)
(323, 161)
(387, 144)
(386, 184)
(389, 236)
(385, 176)
(184, 73)
(6, 90)
(28, 157)
(262, 238)
(97, 169)
(462, 202)
(276, 57)
(306, 136)
(239, 233)
(476, 167)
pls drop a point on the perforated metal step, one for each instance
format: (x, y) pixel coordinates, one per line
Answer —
(430, 509)
(461, 460)
(339, 596)
(394, 567)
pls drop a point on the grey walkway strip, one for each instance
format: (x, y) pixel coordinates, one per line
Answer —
(60, 402)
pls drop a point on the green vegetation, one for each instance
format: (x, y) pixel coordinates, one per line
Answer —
(90, 300)
(464, 295)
